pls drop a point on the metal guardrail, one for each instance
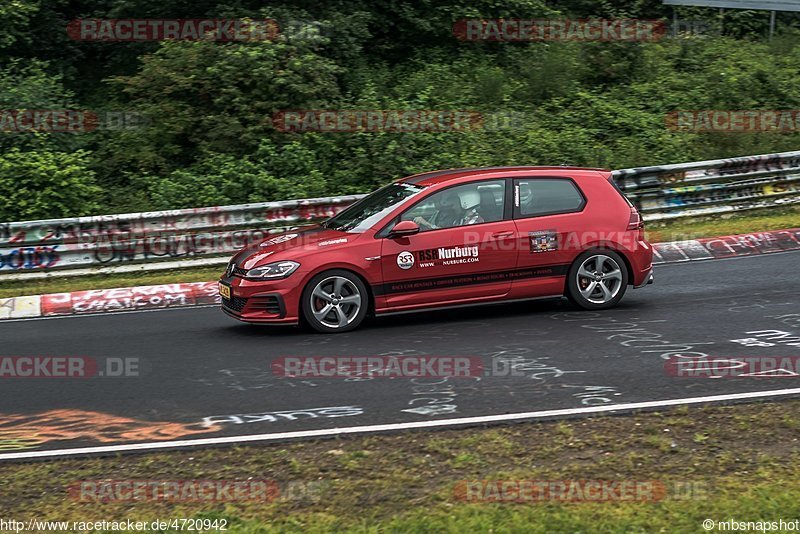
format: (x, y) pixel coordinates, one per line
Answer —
(712, 187)
(208, 236)
(150, 240)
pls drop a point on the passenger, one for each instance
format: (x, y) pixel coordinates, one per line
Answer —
(526, 197)
(471, 217)
(470, 202)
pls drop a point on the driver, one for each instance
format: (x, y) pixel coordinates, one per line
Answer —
(449, 213)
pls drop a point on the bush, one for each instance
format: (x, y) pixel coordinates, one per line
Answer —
(220, 179)
(46, 185)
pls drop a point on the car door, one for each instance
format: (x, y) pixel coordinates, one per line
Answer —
(455, 257)
(547, 215)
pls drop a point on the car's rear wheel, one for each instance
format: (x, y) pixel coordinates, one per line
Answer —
(597, 280)
(335, 301)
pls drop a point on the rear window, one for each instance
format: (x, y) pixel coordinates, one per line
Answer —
(616, 186)
(547, 196)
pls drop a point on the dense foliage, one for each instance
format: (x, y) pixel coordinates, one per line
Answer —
(203, 134)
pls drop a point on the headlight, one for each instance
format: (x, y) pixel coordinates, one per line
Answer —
(279, 269)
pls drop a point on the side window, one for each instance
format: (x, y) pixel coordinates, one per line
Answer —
(543, 196)
(462, 205)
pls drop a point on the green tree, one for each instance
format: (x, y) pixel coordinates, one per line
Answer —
(43, 185)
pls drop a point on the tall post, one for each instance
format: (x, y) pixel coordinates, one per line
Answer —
(674, 22)
(771, 24)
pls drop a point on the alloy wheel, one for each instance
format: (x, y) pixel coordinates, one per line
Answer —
(335, 302)
(599, 279)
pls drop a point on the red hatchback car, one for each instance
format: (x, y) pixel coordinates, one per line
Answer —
(448, 238)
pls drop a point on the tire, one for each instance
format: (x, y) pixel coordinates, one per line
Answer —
(597, 286)
(335, 301)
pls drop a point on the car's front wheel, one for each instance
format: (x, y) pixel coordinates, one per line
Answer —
(597, 280)
(335, 301)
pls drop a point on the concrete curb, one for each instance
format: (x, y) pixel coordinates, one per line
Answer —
(110, 300)
(205, 293)
(710, 248)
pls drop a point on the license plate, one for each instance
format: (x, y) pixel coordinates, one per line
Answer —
(224, 291)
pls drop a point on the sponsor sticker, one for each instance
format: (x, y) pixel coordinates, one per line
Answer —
(332, 242)
(543, 241)
(279, 239)
(405, 260)
(448, 256)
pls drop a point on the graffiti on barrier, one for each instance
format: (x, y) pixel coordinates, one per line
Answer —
(25, 431)
(706, 194)
(161, 225)
(170, 245)
(40, 257)
(719, 186)
(108, 240)
(771, 162)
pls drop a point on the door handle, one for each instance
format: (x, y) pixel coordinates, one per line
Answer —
(500, 235)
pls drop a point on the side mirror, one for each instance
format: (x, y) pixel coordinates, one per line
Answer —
(403, 229)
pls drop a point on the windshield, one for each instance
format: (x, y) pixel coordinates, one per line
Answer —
(363, 215)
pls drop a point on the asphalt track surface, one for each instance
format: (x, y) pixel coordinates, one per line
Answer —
(199, 365)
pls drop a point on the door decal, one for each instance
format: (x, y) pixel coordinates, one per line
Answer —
(543, 241)
(445, 282)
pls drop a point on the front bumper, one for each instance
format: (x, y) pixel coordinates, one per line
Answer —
(273, 301)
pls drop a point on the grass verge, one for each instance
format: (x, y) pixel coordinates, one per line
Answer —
(744, 458)
(774, 219)
(727, 224)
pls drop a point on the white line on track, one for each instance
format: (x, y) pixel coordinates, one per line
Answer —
(441, 423)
